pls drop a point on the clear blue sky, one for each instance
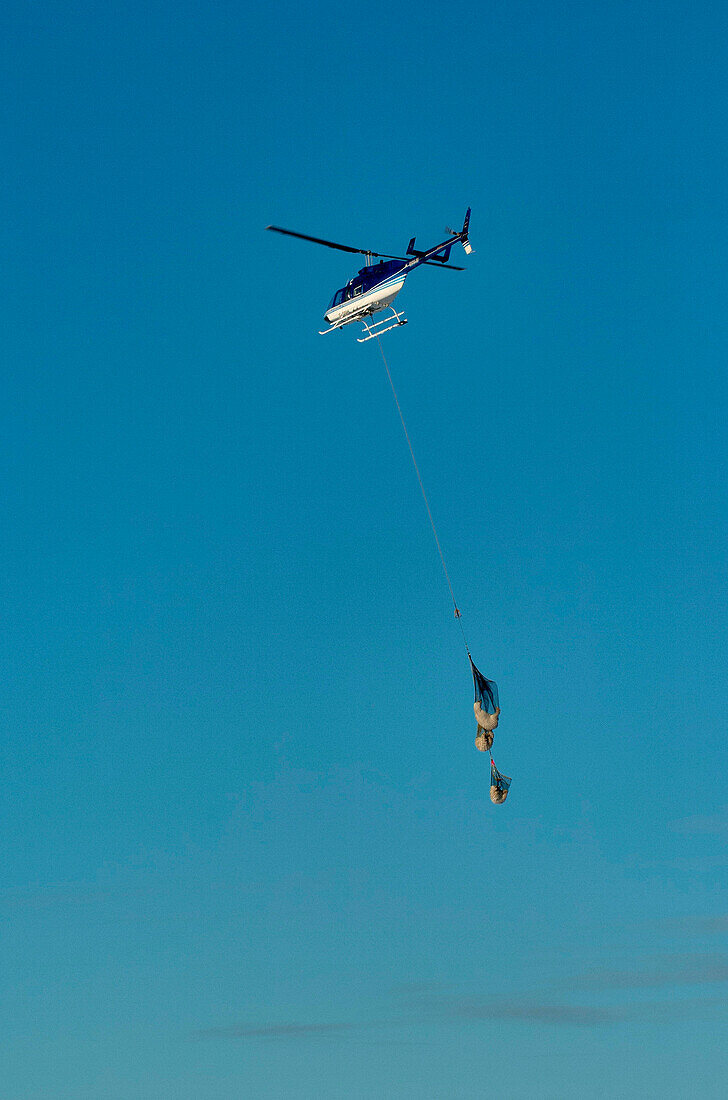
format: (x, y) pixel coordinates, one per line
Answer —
(247, 843)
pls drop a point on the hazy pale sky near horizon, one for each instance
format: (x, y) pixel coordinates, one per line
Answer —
(248, 848)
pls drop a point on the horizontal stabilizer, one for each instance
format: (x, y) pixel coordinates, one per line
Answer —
(442, 257)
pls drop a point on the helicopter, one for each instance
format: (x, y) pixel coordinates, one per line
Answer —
(375, 286)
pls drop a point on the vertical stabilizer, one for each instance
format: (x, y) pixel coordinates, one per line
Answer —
(464, 235)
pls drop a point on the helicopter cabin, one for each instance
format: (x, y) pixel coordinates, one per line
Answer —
(365, 280)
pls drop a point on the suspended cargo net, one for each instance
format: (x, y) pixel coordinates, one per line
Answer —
(499, 784)
(485, 707)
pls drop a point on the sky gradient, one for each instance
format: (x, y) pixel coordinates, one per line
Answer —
(248, 848)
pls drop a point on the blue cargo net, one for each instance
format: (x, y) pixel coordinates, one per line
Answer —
(486, 691)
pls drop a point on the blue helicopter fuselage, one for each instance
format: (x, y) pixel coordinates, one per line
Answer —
(371, 289)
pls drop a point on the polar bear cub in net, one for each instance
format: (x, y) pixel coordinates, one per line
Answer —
(497, 795)
(486, 724)
(485, 721)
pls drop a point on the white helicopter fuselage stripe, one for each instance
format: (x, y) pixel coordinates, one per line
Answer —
(379, 297)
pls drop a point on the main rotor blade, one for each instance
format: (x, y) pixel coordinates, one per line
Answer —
(333, 244)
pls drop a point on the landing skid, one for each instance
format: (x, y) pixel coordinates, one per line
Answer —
(376, 329)
(380, 327)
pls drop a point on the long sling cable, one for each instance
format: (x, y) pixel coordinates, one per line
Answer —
(424, 497)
